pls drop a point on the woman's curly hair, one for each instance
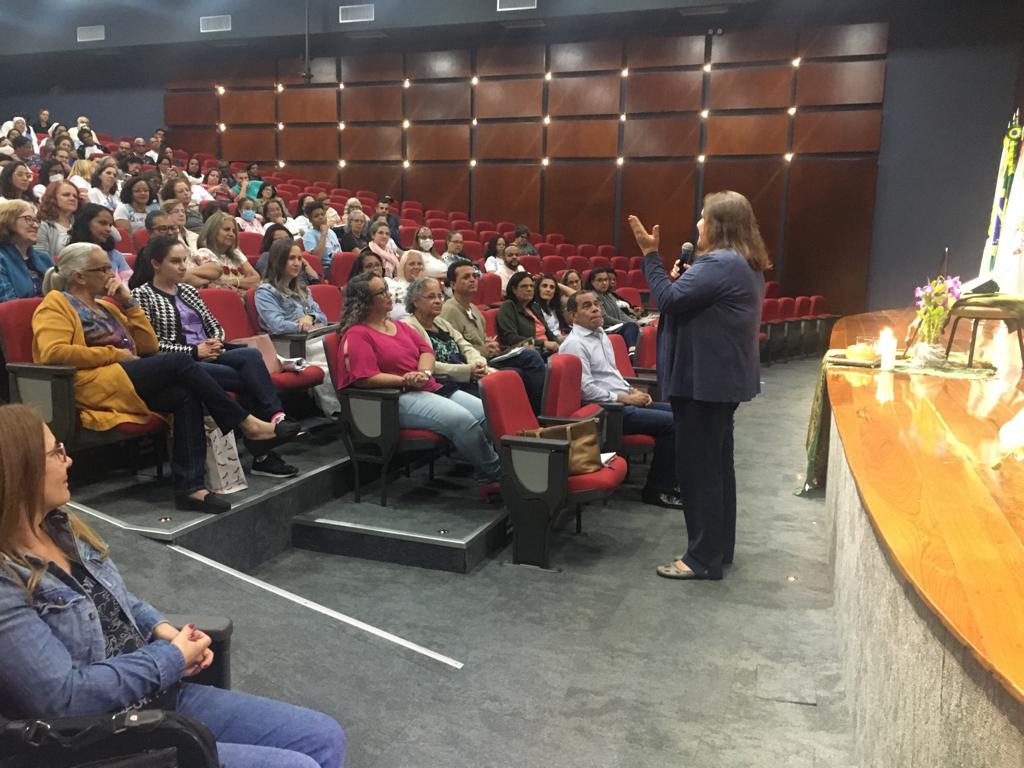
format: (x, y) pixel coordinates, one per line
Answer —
(358, 301)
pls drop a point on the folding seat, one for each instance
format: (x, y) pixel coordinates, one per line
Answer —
(576, 262)
(462, 224)
(771, 289)
(473, 250)
(325, 186)
(231, 312)
(565, 250)
(370, 428)
(531, 264)
(555, 238)
(647, 348)
(608, 251)
(341, 266)
(491, 321)
(597, 261)
(488, 292)
(636, 262)
(249, 243)
(139, 239)
(767, 336)
(368, 209)
(628, 293)
(824, 319)
(509, 235)
(436, 213)
(469, 234)
(440, 234)
(415, 214)
(635, 278)
(367, 193)
(329, 298)
(487, 235)
(342, 192)
(536, 485)
(553, 264)
(314, 261)
(620, 277)
(406, 234)
(50, 389)
(416, 204)
(805, 335)
(404, 222)
(642, 377)
(454, 216)
(435, 222)
(482, 225)
(589, 251)
(238, 166)
(506, 226)
(619, 263)
(545, 249)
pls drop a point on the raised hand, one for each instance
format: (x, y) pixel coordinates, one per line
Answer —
(648, 241)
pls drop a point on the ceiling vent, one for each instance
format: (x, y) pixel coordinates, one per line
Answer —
(350, 14)
(92, 34)
(517, 5)
(215, 23)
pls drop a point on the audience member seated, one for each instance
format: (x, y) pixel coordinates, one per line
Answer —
(53, 169)
(104, 189)
(42, 123)
(16, 182)
(267, 192)
(56, 215)
(59, 665)
(380, 244)
(153, 153)
(160, 224)
(453, 247)
(285, 305)
(176, 217)
(602, 382)
(137, 199)
(495, 253)
(410, 267)
(218, 186)
(165, 168)
(616, 320)
(521, 239)
(181, 190)
(319, 239)
(518, 323)
(376, 351)
(116, 383)
(94, 224)
(368, 261)
(455, 357)
(548, 305)
(333, 217)
(247, 219)
(276, 212)
(81, 177)
(246, 187)
(24, 151)
(509, 265)
(87, 145)
(462, 315)
(218, 243)
(572, 280)
(300, 213)
(22, 265)
(129, 167)
(183, 323)
(273, 233)
(194, 171)
(354, 235)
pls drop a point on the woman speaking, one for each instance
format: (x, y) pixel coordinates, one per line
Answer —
(707, 365)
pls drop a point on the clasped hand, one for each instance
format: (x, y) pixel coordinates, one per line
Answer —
(210, 349)
(415, 379)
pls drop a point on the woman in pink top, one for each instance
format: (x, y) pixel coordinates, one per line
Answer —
(376, 351)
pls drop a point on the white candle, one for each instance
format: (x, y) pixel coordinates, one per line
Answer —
(887, 349)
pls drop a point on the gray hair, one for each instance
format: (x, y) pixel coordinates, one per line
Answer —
(416, 290)
(73, 260)
(378, 225)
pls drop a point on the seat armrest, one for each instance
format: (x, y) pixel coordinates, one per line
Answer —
(50, 389)
(294, 344)
(613, 426)
(536, 443)
(650, 372)
(554, 421)
(220, 629)
(371, 393)
(534, 469)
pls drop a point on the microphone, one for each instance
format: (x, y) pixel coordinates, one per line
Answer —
(685, 255)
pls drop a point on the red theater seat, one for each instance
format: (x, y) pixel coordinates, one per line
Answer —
(555, 238)
(545, 249)
(531, 264)
(553, 264)
(329, 298)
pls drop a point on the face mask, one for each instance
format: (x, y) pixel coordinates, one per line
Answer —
(249, 214)
(426, 243)
(56, 177)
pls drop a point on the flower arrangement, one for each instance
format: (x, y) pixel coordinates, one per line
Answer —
(933, 302)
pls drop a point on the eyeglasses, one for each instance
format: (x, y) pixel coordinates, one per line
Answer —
(106, 269)
(165, 228)
(58, 451)
(382, 292)
(32, 221)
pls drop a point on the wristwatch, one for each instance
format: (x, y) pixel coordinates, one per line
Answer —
(428, 372)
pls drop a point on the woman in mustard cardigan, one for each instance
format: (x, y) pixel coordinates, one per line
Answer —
(108, 341)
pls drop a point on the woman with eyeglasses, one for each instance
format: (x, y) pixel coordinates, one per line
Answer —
(16, 182)
(518, 324)
(22, 267)
(95, 224)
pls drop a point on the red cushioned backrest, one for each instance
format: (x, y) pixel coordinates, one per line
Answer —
(506, 405)
(435, 223)
(636, 262)
(469, 235)
(555, 238)
(598, 261)
(490, 322)
(619, 263)
(817, 304)
(626, 293)
(341, 265)
(228, 308)
(635, 279)
(250, 242)
(463, 224)
(608, 251)
(139, 239)
(563, 385)
(250, 308)
(589, 251)
(487, 234)
(440, 234)
(787, 308)
(329, 298)
(16, 329)
(553, 264)
(566, 250)
(531, 264)
(482, 225)
(578, 263)
(803, 306)
(647, 347)
(771, 289)
(770, 310)
(314, 262)
(489, 289)
(506, 226)
(545, 249)
(331, 342)
(435, 213)
(411, 204)
(458, 216)
(472, 249)
(622, 361)
(406, 235)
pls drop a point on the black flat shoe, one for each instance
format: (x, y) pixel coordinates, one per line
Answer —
(661, 499)
(211, 504)
(284, 430)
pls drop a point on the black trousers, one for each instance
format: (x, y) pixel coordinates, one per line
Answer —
(707, 482)
(174, 383)
(532, 369)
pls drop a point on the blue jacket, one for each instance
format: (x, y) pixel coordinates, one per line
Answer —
(52, 645)
(281, 314)
(15, 282)
(708, 333)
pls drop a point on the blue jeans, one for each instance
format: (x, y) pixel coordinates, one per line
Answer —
(460, 418)
(243, 372)
(655, 420)
(253, 732)
(630, 332)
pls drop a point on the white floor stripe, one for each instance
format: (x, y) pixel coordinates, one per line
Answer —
(299, 600)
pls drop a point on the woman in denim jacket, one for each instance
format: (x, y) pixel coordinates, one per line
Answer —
(74, 641)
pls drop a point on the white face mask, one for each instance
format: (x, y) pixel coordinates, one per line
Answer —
(426, 243)
(56, 177)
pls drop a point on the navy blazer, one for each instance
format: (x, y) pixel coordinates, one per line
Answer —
(708, 333)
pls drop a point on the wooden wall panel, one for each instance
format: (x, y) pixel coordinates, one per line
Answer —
(381, 178)
(308, 105)
(193, 139)
(371, 67)
(747, 135)
(191, 109)
(665, 51)
(592, 95)
(775, 44)
(844, 40)
(249, 144)
(510, 60)
(750, 88)
(661, 137)
(659, 193)
(586, 57)
(248, 107)
(324, 69)
(438, 101)
(583, 138)
(309, 143)
(508, 192)
(762, 182)
(578, 198)
(439, 186)
(371, 103)
(316, 171)
(510, 98)
(664, 91)
(438, 142)
(509, 141)
(845, 82)
(434, 65)
(828, 229)
(847, 131)
(378, 142)
(242, 71)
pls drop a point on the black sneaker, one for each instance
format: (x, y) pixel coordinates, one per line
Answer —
(272, 465)
(665, 499)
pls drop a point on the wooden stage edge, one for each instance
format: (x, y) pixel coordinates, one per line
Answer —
(933, 464)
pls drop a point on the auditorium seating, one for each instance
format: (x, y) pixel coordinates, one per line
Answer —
(531, 264)
(488, 290)
(330, 300)
(341, 266)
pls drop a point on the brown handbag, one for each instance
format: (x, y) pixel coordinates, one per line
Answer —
(584, 443)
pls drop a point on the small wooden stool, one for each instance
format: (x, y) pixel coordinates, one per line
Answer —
(976, 314)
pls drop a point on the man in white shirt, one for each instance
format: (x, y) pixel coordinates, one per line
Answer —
(453, 245)
(509, 266)
(603, 383)
(153, 155)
